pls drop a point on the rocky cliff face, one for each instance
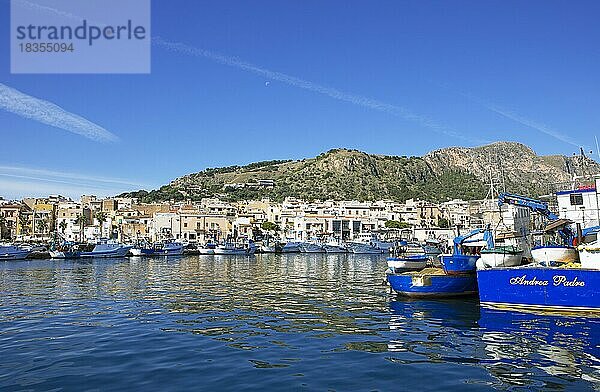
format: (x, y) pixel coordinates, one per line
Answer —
(522, 170)
(455, 172)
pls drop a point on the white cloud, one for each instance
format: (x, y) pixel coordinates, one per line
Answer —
(48, 113)
(18, 182)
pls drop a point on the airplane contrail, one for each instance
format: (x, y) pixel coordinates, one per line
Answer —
(50, 175)
(531, 124)
(26, 106)
(334, 93)
(513, 116)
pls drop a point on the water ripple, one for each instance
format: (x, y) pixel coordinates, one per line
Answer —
(313, 322)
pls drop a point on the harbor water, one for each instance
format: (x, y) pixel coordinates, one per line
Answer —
(269, 322)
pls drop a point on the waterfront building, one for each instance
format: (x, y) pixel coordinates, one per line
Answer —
(71, 219)
(581, 204)
(10, 219)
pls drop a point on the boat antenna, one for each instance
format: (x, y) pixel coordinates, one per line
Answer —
(597, 148)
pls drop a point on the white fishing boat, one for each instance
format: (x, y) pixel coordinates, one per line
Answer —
(551, 254)
(291, 247)
(311, 247)
(407, 263)
(506, 250)
(207, 249)
(364, 249)
(589, 255)
(11, 252)
(233, 249)
(335, 248)
(268, 248)
(105, 248)
(373, 240)
(335, 245)
(500, 256)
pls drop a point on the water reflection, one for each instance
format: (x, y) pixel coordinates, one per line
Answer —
(518, 348)
(112, 323)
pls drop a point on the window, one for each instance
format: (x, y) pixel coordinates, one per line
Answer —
(576, 199)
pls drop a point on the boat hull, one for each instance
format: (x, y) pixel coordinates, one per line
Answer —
(459, 264)
(548, 255)
(408, 263)
(433, 286)
(231, 252)
(206, 251)
(16, 255)
(56, 254)
(335, 249)
(116, 252)
(590, 258)
(540, 289)
(365, 249)
(137, 251)
(291, 247)
(499, 259)
(311, 248)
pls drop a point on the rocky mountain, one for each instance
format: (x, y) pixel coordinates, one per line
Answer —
(455, 172)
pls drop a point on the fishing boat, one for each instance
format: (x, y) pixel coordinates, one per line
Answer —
(12, 252)
(466, 251)
(407, 263)
(105, 248)
(500, 256)
(334, 245)
(207, 249)
(551, 283)
(540, 288)
(311, 247)
(589, 255)
(407, 256)
(374, 241)
(291, 247)
(333, 248)
(432, 283)
(267, 248)
(364, 249)
(164, 248)
(432, 248)
(556, 244)
(233, 249)
(554, 253)
(65, 250)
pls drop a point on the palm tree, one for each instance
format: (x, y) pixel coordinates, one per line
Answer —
(63, 226)
(42, 225)
(101, 217)
(81, 220)
(2, 226)
(25, 222)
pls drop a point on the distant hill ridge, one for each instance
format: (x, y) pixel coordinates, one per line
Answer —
(343, 174)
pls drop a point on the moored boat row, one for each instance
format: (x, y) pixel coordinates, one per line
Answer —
(557, 277)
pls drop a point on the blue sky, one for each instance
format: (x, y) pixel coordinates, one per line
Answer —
(387, 77)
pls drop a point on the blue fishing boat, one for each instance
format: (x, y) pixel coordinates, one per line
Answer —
(432, 283)
(66, 250)
(537, 288)
(164, 248)
(11, 252)
(466, 251)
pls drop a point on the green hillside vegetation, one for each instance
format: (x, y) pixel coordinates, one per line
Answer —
(343, 174)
